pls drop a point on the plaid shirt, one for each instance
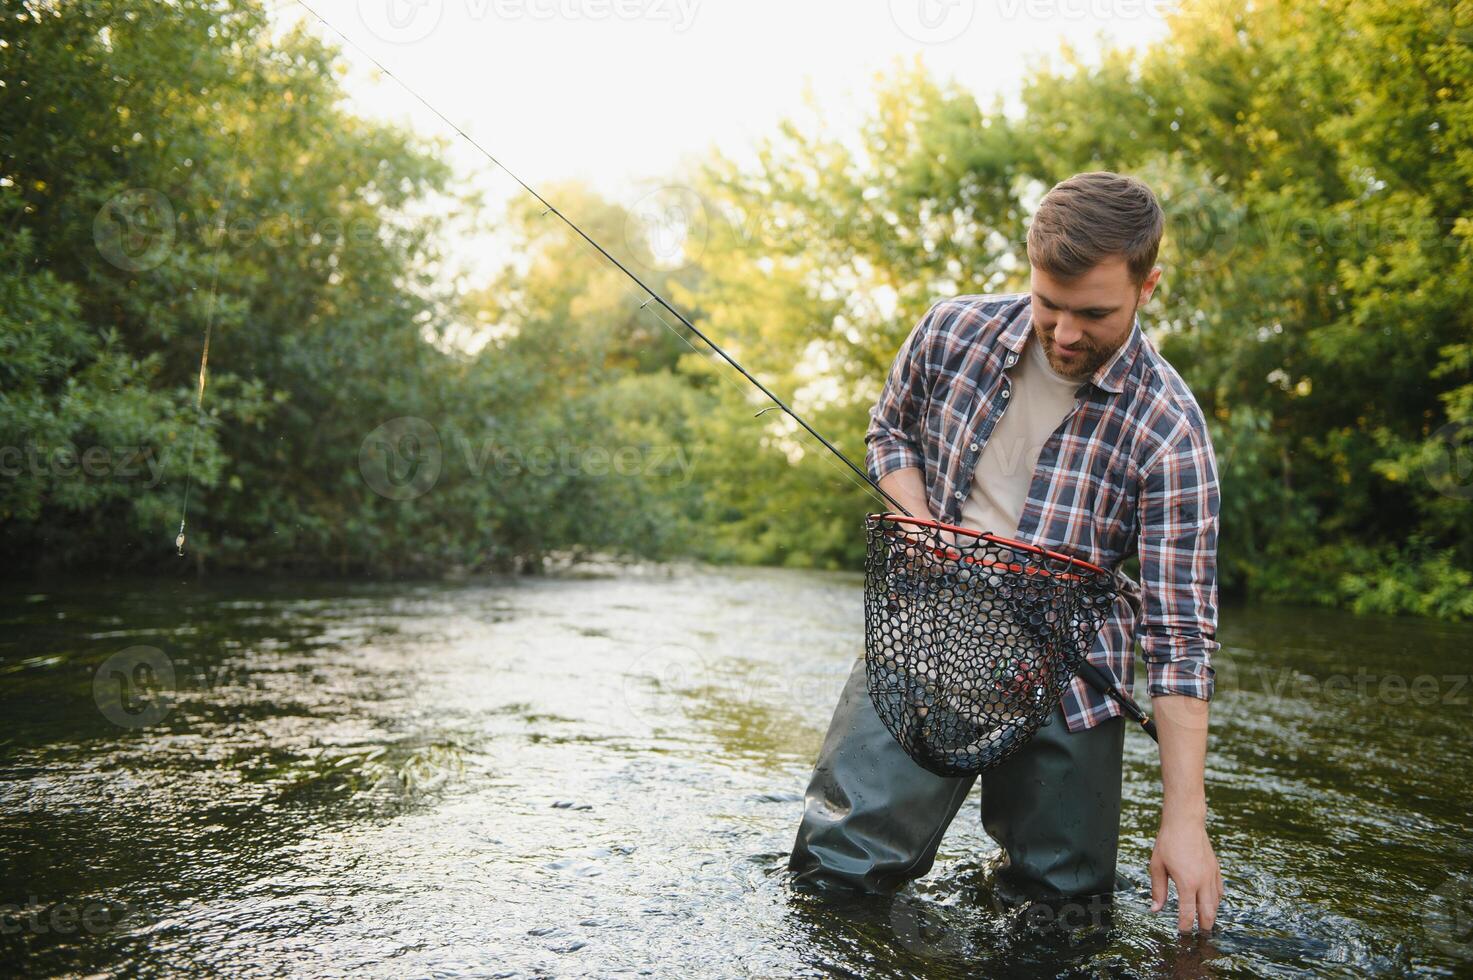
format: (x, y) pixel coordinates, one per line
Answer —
(1129, 471)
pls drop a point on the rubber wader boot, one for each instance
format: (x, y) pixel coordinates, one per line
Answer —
(873, 818)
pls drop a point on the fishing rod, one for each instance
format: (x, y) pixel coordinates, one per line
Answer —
(549, 208)
(1091, 675)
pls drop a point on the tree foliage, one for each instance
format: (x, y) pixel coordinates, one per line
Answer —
(172, 170)
(1314, 161)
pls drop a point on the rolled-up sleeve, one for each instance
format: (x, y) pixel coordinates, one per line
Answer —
(892, 441)
(1178, 554)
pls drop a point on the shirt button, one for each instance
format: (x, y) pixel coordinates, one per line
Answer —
(973, 447)
(1012, 359)
(957, 495)
(1006, 393)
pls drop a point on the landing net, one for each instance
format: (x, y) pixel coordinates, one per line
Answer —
(971, 638)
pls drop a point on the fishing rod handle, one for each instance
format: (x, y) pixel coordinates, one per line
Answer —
(1097, 679)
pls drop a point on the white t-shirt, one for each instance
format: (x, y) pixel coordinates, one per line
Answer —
(1040, 400)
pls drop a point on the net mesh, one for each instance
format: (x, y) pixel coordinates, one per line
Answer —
(970, 638)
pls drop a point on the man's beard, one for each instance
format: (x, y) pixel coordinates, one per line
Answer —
(1089, 358)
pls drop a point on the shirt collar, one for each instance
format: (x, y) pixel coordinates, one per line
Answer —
(1110, 376)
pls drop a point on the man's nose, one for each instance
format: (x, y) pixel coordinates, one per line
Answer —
(1067, 333)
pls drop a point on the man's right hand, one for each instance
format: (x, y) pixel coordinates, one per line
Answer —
(908, 488)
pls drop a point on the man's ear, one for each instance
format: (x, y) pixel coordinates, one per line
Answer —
(1148, 285)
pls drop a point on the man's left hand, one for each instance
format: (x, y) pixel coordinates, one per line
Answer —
(1184, 855)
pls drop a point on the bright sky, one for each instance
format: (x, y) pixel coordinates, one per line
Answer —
(613, 91)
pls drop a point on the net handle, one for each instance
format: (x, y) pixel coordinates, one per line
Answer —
(894, 518)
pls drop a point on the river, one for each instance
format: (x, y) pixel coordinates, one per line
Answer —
(601, 774)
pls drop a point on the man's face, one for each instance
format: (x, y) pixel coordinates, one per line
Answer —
(1081, 323)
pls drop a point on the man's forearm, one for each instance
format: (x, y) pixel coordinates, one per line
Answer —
(1181, 724)
(1183, 852)
(908, 486)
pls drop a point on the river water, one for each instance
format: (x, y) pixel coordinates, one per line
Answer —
(601, 774)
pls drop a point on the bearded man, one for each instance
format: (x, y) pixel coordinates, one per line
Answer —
(1049, 417)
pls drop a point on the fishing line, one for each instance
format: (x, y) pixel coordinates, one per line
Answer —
(866, 487)
(204, 356)
(549, 208)
(727, 378)
(199, 408)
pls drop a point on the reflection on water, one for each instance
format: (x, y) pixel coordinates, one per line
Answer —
(603, 775)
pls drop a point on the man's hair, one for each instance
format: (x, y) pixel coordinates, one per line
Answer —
(1091, 217)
